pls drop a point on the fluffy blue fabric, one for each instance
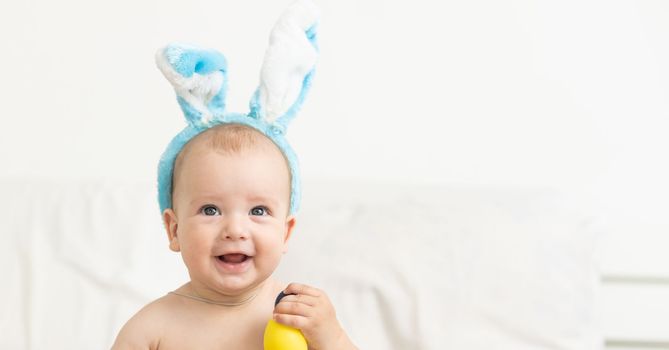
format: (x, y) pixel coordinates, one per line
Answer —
(199, 77)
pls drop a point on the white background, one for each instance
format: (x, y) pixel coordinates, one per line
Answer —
(567, 94)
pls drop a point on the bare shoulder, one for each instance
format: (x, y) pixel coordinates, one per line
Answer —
(145, 329)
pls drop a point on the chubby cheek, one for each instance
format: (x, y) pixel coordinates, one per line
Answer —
(270, 248)
(194, 246)
(191, 257)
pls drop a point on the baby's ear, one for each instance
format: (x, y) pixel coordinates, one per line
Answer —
(171, 226)
(199, 78)
(288, 66)
(290, 225)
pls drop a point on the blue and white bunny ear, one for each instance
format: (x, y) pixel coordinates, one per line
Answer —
(288, 66)
(199, 77)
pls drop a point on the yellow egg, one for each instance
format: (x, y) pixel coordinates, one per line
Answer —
(282, 337)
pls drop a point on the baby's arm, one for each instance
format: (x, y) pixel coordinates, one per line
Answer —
(137, 333)
(311, 311)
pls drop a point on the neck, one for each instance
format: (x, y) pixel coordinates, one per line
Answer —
(206, 295)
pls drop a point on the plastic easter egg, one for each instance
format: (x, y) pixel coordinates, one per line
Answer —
(282, 337)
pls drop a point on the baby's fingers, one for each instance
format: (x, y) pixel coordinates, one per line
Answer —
(300, 298)
(294, 321)
(293, 308)
(302, 289)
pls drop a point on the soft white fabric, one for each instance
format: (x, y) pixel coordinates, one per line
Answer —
(288, 59)
(406, 267)
(198, 89)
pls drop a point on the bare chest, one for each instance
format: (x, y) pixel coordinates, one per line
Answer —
(236, 333)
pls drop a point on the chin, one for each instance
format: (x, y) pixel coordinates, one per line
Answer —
(232, 285)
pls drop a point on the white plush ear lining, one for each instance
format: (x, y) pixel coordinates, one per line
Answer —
(198, 76)
(289, 59)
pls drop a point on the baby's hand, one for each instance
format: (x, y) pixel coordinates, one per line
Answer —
(311, 311)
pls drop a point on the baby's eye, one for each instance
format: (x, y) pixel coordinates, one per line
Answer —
(209, 210)
(259, 211)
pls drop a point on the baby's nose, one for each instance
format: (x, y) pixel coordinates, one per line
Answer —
(235, 228)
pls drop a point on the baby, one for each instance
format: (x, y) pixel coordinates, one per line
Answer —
(230, 220)
(228, 188)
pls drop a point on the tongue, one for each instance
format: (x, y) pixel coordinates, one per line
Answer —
(234, 258)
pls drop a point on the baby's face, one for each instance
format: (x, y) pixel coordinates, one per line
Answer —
(230, 218)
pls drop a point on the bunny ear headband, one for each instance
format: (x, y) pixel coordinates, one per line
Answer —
(199, 77)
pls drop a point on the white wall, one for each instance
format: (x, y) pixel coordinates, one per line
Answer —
(570, 93)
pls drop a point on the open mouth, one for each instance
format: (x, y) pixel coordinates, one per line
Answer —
(233, 258)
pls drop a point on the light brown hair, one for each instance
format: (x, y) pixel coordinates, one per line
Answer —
(226, 138)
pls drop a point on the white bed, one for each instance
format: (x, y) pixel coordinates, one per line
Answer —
(408, 267)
